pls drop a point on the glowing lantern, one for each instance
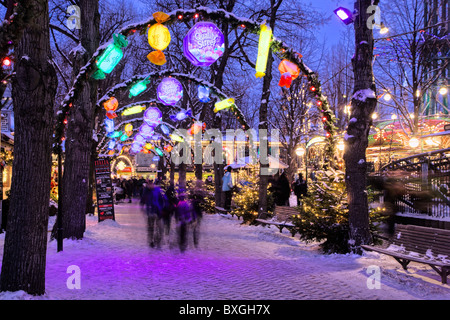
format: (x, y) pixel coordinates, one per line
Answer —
(128, 129)
(133, 110)
(180, 116)
(135, 148)
(289, 72)
(224, 104)
(112, 55)
(203, 94)
(112, 145)
(158, 38)
(158, 151)
(170, 91)
(6, 62)
(109, 125)
(139, 139)
(176, 137)
(153, 116)
(265, 38)
(197, 127)
(164, 129)
(138, 88)
(111, 106)
(124, 137)
(204, 44)
(168, 148)
(116, 134)
(146, 131)
(148, 146)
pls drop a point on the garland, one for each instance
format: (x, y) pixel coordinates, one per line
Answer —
(249, 26)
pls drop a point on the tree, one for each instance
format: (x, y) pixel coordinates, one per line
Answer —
(411, 60)
(75, 182)
(364, 102)
(34, 89)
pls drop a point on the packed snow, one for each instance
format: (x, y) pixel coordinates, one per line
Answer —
(233, 262)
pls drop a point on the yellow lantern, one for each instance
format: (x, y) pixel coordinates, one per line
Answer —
(265, 38)
(158, 38)
(224, 104)
(129, 129)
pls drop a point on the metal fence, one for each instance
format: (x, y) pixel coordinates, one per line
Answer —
(422, 183)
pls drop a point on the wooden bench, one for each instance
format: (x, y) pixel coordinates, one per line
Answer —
(429, 246)
(281, 219)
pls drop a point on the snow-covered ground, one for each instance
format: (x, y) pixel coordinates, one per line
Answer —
(232, 262)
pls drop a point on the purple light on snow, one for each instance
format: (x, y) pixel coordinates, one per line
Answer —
(204, 44)
(170, 91)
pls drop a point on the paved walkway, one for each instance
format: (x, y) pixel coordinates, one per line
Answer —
(232, 262)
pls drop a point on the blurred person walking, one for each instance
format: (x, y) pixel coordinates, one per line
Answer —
(197, 197)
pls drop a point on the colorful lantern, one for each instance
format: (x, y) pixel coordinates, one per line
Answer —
(164, 129)
(138, 88)
(168, 148)
(112, 55)
(148, 146)
(128, 129)
(289, 72)
(153, 116)
(176, 137)
(204, 44)
(197, 127)
(109, 125)
(112, 145)
(203, 94)
(265, 38)
(111, 106)
(170, 91)
(224, 104)
(124, 137)
(158, 38)
(133, 110)
(180, 116)
(139, 139)
(146, 131)
(115, 134)
(158, 151)
(135, 148)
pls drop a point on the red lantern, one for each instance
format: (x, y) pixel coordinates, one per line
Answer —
(111, 106)
(289, 72)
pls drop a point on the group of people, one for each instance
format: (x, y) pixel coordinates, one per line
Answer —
(281, 189)
(127, 189)
(162, 207)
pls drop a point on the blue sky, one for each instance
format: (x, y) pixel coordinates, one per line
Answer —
(331, 31)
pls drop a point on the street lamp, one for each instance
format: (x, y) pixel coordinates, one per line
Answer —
(300, 152)
(443, 91)
(345, 15)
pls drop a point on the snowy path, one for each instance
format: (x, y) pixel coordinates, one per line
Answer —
(232, 262)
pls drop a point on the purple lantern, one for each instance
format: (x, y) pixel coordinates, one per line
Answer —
(204, 44)
(170, 91)
(153, 117)
(146, 131)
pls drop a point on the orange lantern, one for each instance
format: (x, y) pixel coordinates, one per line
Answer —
(111, 106)
(168, 148)
(289, 72)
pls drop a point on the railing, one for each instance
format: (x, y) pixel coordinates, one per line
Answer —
(422, 183)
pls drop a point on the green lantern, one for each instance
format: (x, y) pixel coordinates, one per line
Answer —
(112, 55)
(138, 88)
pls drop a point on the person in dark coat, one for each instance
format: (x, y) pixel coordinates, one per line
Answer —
(184, 218)
(169, 209)
(198, 196)
(300, 188)
(154, 201)
(284, 190)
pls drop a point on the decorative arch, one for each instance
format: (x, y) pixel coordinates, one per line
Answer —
(279, 48)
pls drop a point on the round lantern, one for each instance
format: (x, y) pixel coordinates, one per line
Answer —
(204, 44)
(146, 131)
(170, 91)
(289, 72)
(153, 117)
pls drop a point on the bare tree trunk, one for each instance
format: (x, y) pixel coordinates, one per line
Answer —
(75, 184)
(34, 89)
(363, 105)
